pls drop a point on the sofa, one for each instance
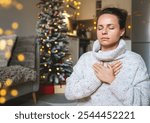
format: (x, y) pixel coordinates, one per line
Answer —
(19, 75)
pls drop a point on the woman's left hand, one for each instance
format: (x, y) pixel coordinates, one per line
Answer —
(104, 73)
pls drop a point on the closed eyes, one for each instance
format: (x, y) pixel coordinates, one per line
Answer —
(111, 27)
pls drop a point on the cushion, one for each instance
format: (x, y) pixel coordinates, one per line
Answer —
(18, 74)
(6, 45)
(26, 47)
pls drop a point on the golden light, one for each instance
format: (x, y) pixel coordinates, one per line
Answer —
(10, 3)
(78, 7)
(8, 82)
(78, 13)
(21, 57)
(55, 30)
(14, 92)
(10, 42)
(44, 77)
(56, 51)
(3, 92)
(95, 28)
(0, 84)
(2, 100)
(1, 31)
(5, 3)
(41, 50)
(14, 25)
(7, 54)
(19, 6)
(2, 44)
(75, 3)
(8, 32)
(94, 22)
(50, 70)
(49, 52)
(129, 26)
(67, 6)
(45, 65)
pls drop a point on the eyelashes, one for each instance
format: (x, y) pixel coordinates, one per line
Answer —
(109, 27)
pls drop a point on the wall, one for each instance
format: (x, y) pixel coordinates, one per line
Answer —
(87, 10)
(141, 29)
(88, 7)
(124, 4)
(26, 18)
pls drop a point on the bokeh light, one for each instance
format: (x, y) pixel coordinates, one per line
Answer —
(7, 54)
(2, 44)
(14, 92)
(19, 6)
(2, 100)
(21, 57)
(3, 92)
(8, 82)
(1, 31)
(14, 25)
(10, 42)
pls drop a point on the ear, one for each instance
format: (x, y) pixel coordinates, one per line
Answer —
(122, 32)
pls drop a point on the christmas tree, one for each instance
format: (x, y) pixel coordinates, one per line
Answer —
(55, 59)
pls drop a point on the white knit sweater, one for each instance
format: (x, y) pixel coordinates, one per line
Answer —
(130, 87)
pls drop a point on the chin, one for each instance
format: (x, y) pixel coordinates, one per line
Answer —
(105, 43)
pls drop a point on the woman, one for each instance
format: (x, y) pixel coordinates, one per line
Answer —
(95, 81)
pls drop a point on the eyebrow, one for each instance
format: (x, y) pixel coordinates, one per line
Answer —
(108, 25)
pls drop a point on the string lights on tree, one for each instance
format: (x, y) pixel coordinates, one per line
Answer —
(55, 60)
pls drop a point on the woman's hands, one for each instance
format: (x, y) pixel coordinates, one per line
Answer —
(106, 73)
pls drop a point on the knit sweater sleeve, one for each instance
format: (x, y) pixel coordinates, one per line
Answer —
(135, 93)
(78, 85)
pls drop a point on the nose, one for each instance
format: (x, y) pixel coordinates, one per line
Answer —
(104, 31)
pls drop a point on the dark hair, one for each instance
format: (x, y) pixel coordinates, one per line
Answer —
(120, 13)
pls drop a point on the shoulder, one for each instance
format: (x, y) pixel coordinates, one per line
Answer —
(135, 58)
(86, 55)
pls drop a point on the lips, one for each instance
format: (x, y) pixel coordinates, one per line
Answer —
(104, 38)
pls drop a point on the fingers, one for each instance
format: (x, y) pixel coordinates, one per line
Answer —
(116, 64)
(115, 73)
(98, 67)
(116, 67)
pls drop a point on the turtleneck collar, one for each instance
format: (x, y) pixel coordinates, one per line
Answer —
(109, 55)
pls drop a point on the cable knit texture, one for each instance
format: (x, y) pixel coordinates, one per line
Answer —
(131, 86)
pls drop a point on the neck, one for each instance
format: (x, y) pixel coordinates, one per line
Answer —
(109, 48)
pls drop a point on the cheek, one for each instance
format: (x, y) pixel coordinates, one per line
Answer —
(98, 34)
(115, 34)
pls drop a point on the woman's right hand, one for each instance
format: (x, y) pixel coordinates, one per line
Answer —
(116, 66)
